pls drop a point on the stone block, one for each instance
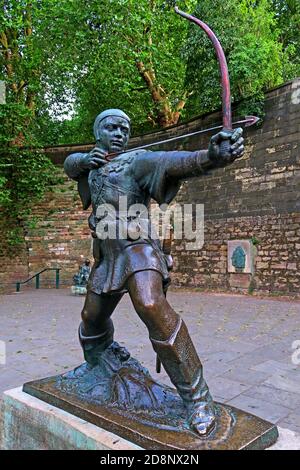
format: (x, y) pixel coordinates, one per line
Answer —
(31, 424)
(242, 281)
(27, 423)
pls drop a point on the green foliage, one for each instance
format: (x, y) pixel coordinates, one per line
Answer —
(95, 48)
(25, 174)
(287, 14)
(63, 62)
(255, 241)
(124, 53)
(248, 33)
(71, 59)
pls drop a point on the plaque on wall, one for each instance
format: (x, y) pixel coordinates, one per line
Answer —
(240, 256)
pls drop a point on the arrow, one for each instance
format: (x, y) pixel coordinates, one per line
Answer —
(248, 122)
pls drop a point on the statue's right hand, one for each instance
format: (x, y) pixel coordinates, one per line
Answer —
(94, 159)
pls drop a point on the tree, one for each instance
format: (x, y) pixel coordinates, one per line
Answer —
(124, 53)
(249, 35)
(25, 174)
(75, 58)
(20, 67)
(287, 14)
(140, 56)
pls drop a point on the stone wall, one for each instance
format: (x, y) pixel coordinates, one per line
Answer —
(277, 267)
(256, 198)
(14, 265)
(61, 237)
(57, 236)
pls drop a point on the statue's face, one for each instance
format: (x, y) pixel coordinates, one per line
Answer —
(114, 134)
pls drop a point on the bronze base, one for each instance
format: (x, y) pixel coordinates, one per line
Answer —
(235, 429)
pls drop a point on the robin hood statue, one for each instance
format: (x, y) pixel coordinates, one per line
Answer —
(112, 389)
(134, 263)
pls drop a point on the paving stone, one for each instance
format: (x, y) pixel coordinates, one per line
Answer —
(278, 351)
(273, 367)
(261, 408)
(245, 343)
(275, 395)
(245, 376)
(222, 357)
(288, 440)
(10, 379)
(284, 381)
(290, 426)
(224, 388)
(293, 419)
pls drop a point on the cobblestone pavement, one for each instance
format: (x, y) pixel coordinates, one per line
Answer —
(245, 343)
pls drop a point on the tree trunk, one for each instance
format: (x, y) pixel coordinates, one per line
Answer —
(165, 116)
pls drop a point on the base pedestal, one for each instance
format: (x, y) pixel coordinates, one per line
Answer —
(29, 423)
(78, 290)
(235, 429)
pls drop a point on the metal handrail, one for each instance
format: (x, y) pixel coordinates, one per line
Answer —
(37, 279)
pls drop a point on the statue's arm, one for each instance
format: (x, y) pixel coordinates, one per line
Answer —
(160, 173)
(79, 164)
(183, 165)
(74, 167)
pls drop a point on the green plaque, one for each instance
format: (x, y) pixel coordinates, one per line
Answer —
(239, 258)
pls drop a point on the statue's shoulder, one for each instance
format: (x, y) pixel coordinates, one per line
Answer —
(124, 160)
(131, 155)
(75, 156)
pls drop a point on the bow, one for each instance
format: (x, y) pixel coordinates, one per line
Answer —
(225, 83)
(247, 122)
(226, 95)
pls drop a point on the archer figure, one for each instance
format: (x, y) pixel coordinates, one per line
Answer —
(136, 264)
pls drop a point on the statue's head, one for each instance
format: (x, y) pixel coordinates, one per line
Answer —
(112, 130)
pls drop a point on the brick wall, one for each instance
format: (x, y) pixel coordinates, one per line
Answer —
(61, 237)
(57, 236)
(257, 197)
(277, 261)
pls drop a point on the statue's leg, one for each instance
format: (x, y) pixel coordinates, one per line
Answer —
(96, 330)
(171, 341)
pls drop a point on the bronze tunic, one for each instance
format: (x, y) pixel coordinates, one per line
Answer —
(140, 176)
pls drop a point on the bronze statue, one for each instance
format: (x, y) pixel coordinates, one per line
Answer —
(138, 265)
(111, 389)
(80, 279)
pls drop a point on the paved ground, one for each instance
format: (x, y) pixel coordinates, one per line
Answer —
(245, 344)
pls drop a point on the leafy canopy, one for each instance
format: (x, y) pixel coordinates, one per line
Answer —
(63, 62)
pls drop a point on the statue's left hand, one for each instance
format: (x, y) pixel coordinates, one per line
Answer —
(94, 159)
(223, 155)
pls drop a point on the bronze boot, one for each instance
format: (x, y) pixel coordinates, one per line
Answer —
(93, 346)
(184, 368)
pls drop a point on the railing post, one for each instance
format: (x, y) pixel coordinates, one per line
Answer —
(18, 287)
(57, 279)
(37, 281)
